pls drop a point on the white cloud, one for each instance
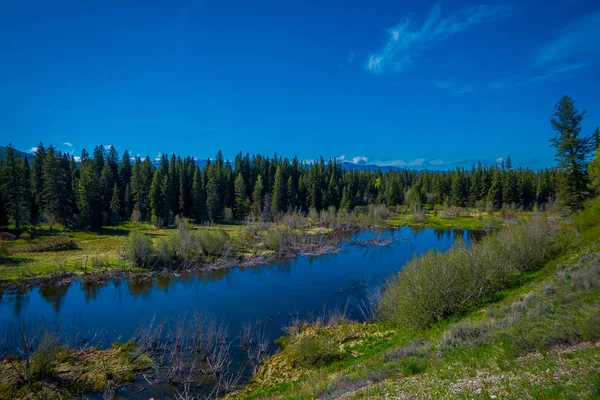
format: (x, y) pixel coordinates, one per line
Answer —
(32, 150)
(157, 158)
(68, 144)
(77, 158)
(419, 162)
(500, 160)
(554, 74)
(579, 39)
(405, 43)
(360, 159)
(107, 146)
(341, 158)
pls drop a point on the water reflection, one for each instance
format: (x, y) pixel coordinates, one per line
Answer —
(304, 286)
(16, 300)
(55, 294)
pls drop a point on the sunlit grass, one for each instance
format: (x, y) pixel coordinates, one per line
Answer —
(516, 357)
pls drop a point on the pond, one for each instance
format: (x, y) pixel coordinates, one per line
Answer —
(272, 294)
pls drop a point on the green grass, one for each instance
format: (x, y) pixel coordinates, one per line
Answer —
(71, 373)
(102, 251)
(463, 218)
(536, 339)
(98, 251)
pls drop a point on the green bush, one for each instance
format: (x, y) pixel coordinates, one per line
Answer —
(309, 350)
(3, 249)
(213, 242)
(590, 216)
(438, 285)
(139, 249)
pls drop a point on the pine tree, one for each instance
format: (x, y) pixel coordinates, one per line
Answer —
(458, 191)
(158, 195)
(198, 195)
(596, 139)
(572, 151)
(98, 156)
(242, 203)
(213, 204)
(107, 183)
(279, 201)
(115, 204)
(127, 202)
(291, 194)
(594, 171)
(174, 185)
(37, 182)
(89, 195)
(257, 196)
(28, 199)
(494, 196)
(54, 205)
(13, 183)
(509, 185)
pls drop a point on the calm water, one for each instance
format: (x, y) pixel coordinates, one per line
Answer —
(271, 293)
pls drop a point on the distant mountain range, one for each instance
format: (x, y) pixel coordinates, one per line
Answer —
(19, 153)
(349, 165)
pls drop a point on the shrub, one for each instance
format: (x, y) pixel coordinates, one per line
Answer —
(584, 275)
(416, 348)
(312, 350)
(60, 243)
(3, 249)
(25, 236)
(139, 249)
(438, 285)
(276, 239)
(464, 333)
(46, 355)
(548, 289)
(7, 236)
(413, 366)
(213, 242)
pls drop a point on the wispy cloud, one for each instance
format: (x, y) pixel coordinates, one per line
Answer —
(32, 150)
(455, 86)
(406, 43)
(360, 159)
(68, 144)
(579, 39)
(341, 158)
(157, 158)
(560, 72)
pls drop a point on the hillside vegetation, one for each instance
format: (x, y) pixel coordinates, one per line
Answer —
(516, 316)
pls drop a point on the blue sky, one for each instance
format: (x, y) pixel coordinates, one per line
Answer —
(392, 82)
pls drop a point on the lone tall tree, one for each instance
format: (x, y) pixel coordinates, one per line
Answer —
(571, 151)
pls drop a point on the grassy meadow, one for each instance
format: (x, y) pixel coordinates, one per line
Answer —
(35, 255)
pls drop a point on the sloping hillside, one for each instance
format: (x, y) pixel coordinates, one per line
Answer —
(537, 338)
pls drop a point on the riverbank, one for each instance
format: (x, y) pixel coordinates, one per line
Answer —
(536, 338)
(53, 255)
(57, 372)
(48, 255)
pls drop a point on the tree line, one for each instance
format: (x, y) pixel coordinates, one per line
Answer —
(104, 189)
